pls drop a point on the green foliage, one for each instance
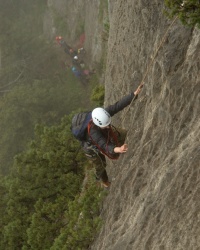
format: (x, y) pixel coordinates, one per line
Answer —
(43, 101)
(98, 95)
(106, 25)
(82, 220)
(3, 205)
(188, 11)
(103, 8)
(44, 179)
(43, 199)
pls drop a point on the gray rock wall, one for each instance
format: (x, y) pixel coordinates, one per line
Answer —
(154, 200)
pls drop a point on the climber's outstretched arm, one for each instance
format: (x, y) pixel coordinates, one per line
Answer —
(124, 102)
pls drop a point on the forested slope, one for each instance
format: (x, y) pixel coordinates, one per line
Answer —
(47, 187)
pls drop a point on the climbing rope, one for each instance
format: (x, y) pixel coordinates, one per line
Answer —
(151, 63)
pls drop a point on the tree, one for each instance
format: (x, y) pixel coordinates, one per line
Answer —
(98, 94)
(3, 206)
(44, 197)
(82, 219)
(188, 11)
(44, 179)
(43, 101)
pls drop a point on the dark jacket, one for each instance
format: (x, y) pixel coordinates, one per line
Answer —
(100, 136)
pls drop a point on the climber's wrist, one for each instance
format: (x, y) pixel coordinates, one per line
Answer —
(117, 150)
(121, 149)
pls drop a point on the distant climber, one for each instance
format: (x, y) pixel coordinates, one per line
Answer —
(60, 41)
(71, 52)
(67, 49)
(76, 60)
(98, 138)
(79, 63)
(81, 51)
(59, 38)
(76, 72)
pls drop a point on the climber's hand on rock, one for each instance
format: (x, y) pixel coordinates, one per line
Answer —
(139, 89)
(121, 149)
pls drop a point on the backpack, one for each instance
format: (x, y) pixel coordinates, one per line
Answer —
(79, 125)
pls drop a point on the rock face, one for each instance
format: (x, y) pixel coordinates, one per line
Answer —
(154, 200)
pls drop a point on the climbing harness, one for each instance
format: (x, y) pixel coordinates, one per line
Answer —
(112, 137)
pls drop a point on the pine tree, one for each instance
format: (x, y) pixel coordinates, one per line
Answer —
(188, 11)
(44, 179)
(82, 219)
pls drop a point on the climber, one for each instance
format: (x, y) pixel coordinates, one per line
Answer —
(81, 51)
(72, 52)
(76, 61)
(97, 136)
(59, 40)
(76, 72)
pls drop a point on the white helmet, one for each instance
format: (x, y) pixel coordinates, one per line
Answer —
(101, 117)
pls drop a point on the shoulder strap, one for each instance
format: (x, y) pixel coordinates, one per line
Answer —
(112, 136)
